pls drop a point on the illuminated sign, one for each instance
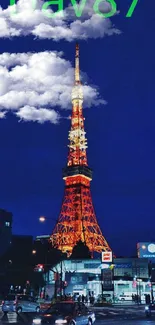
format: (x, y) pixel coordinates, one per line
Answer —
(107, 278)
(146, 250)
(105, 266)
(43, 236)
(106, 257)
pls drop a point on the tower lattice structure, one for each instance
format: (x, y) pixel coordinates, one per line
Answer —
(77, 220)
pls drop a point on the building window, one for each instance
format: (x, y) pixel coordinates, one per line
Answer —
(7, 224)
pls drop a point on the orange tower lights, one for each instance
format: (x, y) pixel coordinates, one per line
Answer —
(77, 219)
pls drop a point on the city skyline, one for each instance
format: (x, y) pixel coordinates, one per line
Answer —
(121, 133)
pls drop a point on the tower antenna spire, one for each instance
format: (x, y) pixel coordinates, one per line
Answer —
(77, 65)
(77, 220)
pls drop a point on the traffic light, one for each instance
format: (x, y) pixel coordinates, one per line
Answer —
(64, 284)
(39, 268)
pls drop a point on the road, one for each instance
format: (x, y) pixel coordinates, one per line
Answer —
(106, 321)
(125, 322)
(120, 315)
(133, 311)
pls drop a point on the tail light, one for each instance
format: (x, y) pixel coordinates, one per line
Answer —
(15, 301)
(3, 302)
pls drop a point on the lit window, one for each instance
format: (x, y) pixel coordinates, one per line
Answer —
(7, 224)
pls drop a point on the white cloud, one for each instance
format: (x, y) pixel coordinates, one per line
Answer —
(40, 115)
(65, 25)
(2, 114)
(32, 85)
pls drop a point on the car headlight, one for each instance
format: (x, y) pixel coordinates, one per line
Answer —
(61, 321)
(37, 321)
(146, 308)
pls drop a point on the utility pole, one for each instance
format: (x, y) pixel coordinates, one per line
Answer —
(150, 274)
(61, 281)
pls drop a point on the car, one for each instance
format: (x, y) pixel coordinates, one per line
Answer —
(66, 312)
(125, 297)
(19, 303)
(150, 309)
(105, 297)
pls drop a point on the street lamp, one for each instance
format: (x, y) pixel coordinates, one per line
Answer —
(34, 252)
(42, 219)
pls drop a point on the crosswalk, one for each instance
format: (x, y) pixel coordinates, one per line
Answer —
(9, 318)
(13, 318)
(113, 312)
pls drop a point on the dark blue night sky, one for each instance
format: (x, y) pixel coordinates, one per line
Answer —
(121, 137)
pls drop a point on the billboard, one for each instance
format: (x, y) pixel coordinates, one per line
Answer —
(107, 280)
(146, 250)
(106, 257)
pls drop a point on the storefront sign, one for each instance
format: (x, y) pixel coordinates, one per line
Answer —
(123, 266)
(106, 257)
(78, 287)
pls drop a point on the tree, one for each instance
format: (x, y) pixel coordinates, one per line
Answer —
(80, 250)
(47, 255)
(37, 280)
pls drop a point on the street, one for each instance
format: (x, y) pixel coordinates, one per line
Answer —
(125, 321)
(117, 315)
(109, 321)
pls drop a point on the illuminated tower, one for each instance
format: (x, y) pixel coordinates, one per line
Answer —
(77, 220)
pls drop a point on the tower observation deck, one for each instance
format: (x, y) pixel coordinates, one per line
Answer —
(77, 219)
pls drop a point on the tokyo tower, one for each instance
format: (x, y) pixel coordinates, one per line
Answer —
(77, 220)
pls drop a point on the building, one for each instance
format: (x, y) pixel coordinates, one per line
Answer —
(130, 275)
(5, 231)
(147, 250)
(21, 249)
(16, 263)
(41, 247)
(77, 220)
(43, 239)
